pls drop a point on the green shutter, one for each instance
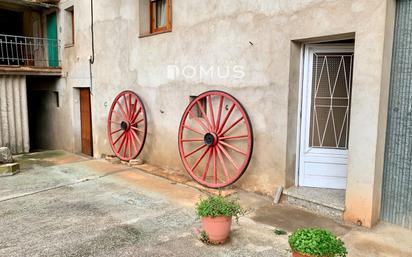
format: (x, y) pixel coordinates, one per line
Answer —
(52, 42)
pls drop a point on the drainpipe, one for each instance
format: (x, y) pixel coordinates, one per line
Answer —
(91, 58)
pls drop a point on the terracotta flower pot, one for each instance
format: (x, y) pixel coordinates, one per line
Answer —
(296, 254)
(217, 228)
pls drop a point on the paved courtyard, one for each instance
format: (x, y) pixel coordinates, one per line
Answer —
(63, 204)
(72, 206)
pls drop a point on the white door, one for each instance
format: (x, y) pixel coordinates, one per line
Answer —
(326, 98)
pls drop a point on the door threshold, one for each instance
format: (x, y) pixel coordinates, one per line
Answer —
(323, 201)
(332, 198)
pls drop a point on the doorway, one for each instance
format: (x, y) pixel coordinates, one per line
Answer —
(86, 122)
(325, 115)
(11, 25)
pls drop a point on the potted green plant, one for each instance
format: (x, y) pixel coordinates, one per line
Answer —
(216, 213)
(311, 242)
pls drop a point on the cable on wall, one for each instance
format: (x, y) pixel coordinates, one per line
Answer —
(91, 58)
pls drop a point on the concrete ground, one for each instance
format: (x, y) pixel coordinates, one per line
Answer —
(63, 204)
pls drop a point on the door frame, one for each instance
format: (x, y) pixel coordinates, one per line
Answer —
(306, 49)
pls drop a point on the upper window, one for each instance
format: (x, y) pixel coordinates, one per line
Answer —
(160, 16)
(155, 16)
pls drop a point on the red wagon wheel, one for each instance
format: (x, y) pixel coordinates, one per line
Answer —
(215, 139)
(127, 125)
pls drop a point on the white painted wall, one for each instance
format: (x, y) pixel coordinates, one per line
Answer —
(265, 37)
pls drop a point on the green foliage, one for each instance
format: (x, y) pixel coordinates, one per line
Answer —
(215, 206)
(317, 242)
(204, 237)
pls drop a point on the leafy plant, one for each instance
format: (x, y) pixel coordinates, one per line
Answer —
(317, 242)
(204, 237)
(215, 206)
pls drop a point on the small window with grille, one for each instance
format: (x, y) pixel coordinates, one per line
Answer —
(196, 110)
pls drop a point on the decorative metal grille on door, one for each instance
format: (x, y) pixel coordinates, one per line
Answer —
(330, 102)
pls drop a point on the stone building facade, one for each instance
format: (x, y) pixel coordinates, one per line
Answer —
(278, 48)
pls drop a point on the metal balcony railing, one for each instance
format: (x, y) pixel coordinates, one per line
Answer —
(29, 51)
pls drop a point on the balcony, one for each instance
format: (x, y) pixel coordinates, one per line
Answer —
(29, 55)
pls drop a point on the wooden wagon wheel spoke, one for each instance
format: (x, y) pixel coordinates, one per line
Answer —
(193, 129)
(219, 154)
(136, 137)
(118, 115)
(194, 117)
(214, 166)
(130, 106)
(135, 115)
(219, 111)
(126, 106)
(204, 115)
(122, 111)
(234, 137)
(212, 115)
(124, 117)
(201, 158)
(195, 150)
(207, 163)
(226, 118)
(215, 162)
(193, 140)
(122, 143)
(228, 156)
(138, 129)
(117, 130)
(126, 144)
(118, 138)
(137, 122)
(231, 126)
(135, 146)
(115, 122)
(234, 148)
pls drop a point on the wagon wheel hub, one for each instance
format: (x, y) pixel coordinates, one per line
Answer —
(125, 125)
(210, 139)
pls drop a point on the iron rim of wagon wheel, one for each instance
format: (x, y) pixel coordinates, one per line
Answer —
(220, 122)
(127, 125)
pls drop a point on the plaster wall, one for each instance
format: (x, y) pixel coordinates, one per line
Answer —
(369, 114)
(263, 37)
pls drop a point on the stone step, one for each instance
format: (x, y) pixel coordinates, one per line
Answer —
(9, 169)
(323, 201)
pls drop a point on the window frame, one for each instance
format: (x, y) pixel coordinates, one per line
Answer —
(70, 11)
(152, 9)
(73, 37)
